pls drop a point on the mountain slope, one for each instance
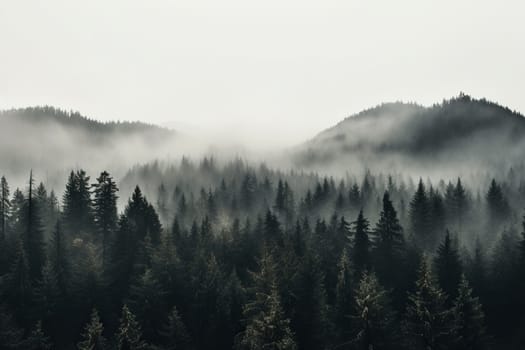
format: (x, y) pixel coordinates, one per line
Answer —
(461, 132)
(51, 140)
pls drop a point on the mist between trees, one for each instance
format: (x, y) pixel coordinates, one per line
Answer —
(208, 256)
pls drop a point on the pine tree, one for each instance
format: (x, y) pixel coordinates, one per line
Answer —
(33, 234)
(37, 340)
(448, 266)
(468, 319)
(105, 211)
(361, 245)
(310, 317)
(174, 332)
(373, 317)
(5, 206)
(437, 217)
(267, 327)
(427, 320)
(46, 292)
(389, 244)
(78, 211)
(420, 216)
(497, 205)
(460, 203)
(19, 287)
(344, 297)
(92, 338)
(5, 212)
(59, 259)
(146, 299)
(129, 334)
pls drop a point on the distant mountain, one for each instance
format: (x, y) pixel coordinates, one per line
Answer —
(461, 134)
(51, 140)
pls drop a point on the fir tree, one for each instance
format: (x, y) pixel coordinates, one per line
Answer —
(427, 319)
(344, 297)
(448, 266)
(129, 334)
(174, 332)
(361, 245)
(105, 210)
(267, 327)
(92, 338)
(468, 319)
(373, 316)
(420, 216)
(37, 340)
(389, 243)
(33, 234)
(78, 211)
(5, 206)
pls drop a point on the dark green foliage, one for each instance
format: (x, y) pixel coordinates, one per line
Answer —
(344, 294)
(37, 340)
(373, 317)
(92, 338)
(361, 245)
(427, 321)
(267, 327)
(105, 210)
(129, 333)
(77, 207)
(420, 215)
(174, 332)
(468, 319)
(315, 287)
(389, 243)
(449, 267)
(33, 235)
(497, 206)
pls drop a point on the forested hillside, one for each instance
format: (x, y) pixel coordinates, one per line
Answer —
(239, 255)
(55, 140)
(454, 136)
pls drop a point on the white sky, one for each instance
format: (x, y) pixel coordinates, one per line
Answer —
(273, 71)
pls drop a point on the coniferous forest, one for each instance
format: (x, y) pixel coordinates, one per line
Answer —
(209, 255)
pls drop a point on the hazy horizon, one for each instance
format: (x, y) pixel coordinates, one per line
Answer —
(270, 72)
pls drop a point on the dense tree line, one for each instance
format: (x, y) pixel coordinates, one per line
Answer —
(252, 258)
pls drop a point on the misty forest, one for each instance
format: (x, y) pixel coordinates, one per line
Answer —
(406, 237)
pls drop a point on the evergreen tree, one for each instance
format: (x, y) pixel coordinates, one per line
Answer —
(373, 316)
(146, 299)
(361, 246)
(47, 293)
(389, 244)
(174, 332)
(77, 207)
(497, 205)
(448, 266)
(267, 327)
(5, 212)
(129, 334)
(105, 210)
(19, 287)
(37, 340)
(420, 216)
(5, 206)
(59, 259)
(33, 234)
(92, 338)
(427, 319)
(469, 319)
(344, 297)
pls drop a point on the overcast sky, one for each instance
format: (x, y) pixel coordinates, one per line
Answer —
(273, 71)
